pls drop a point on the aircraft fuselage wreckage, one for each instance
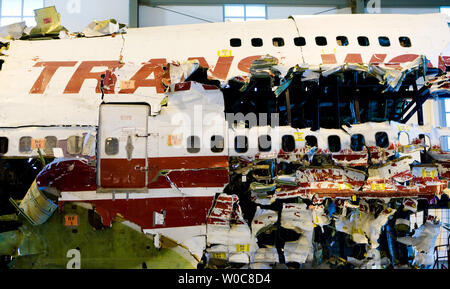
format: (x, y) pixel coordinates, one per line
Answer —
(224, 144)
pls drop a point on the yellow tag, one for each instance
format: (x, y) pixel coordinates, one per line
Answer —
(219, 255)
(299, 136)
(224, 53)
(317, 219)
(127, 84)
(378, 187)
(354, 198)
(242, 247)
(38, 143)
(403, 127)
(427, 173)
(345, 187)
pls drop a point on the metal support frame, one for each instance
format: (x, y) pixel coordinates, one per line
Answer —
(133, 16)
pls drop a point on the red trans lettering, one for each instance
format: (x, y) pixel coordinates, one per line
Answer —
(47, 73)
(83, 72)
(140, 78)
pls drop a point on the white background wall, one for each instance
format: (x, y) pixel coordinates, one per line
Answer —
(77, 14)
(150, 16)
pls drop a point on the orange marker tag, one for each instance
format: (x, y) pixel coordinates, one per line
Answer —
(71, 220)
(38, 143)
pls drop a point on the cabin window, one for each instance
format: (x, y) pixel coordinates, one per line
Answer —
(444, 142)
(363, 41)
(311, 141)
(257, 42)
(342, 40)
(278, 41)
(404, 41)
(382, 139)
(321, 41)
(111, 146)
(25, 144)
(217, 144)
(50, 143)
(235, 42)
(193, 144)
(403, 138)
(384, 41)
(357, 142)
(299, 41)
(74, 144)
(3, 145)
(288, 143)
(334, 143)
(241, 144)
(264, 143)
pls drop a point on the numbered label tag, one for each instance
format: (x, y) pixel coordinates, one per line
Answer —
(242, 247)
(221, 255)
(127, 84)
(38, 143)
(428, 173)
(224, 53)
(71, 220)
(378, 187)
(299, 136)
(173, 140)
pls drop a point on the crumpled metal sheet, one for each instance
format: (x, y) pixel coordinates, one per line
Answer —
(423, 241)
(262, 220)
(103, 27)
(226, 227)
(12, 31)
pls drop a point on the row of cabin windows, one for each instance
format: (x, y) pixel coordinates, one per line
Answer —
(322, 41)
(74, 144)
(357, 143)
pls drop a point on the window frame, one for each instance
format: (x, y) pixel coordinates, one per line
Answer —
(317, 38)
(81, 147)
(388, 39)
(329, 146)
(191, 148)
(21, 16)
(365, 38)
(290, 136)
(257, 39)
(344, 37)
(118, 148)
(300, 38)
(277, 39)
(214, 148)
(407, 38)
(268, 139)
(7, 145)
(20, 144)
(245, 17)
(238, 150)
(387, 136)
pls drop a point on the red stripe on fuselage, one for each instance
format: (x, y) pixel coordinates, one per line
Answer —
(188, 172)
(177, 211)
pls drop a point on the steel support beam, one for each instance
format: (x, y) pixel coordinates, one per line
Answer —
(133, 16)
